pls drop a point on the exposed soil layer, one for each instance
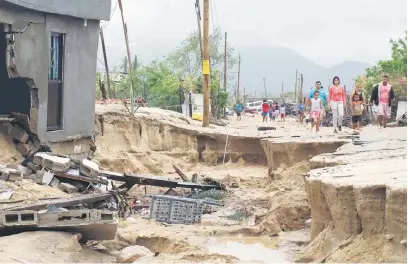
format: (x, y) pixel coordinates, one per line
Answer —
(286, 152)
(362, 201)
(148, 144)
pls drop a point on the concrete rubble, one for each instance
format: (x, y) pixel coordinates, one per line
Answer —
(94, 212)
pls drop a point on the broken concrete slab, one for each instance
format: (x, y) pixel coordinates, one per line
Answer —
(56, 164)
(89, 168)
(13, 175)
(38, 158)
(75, 221)
(19, 134)
(68, 188)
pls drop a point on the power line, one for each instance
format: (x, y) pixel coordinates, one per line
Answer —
(113, 12)
(101, 61)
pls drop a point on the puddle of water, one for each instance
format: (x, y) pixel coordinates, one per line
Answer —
(262, 249)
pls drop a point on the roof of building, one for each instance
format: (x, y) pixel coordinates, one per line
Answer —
(87, 9)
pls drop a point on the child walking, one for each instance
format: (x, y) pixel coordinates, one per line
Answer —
(282, 112)
(316, 111)
(271, 113)
(357, 106)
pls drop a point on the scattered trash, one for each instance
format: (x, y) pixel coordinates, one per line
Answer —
(6, 194)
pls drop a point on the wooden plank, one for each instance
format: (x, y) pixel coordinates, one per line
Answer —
(133, 179)
(81, 178)
(180, 173)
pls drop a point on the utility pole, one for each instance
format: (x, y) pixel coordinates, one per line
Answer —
(197, 9)
(301, 85)
(206, 64)
(282, 94)
(132, 100)
(181, 95)
(103, 90)
(265, 88)
(239, 72)
(296, 83)
(225, 63)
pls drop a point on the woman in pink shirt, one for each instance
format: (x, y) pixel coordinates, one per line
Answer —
(337, 103)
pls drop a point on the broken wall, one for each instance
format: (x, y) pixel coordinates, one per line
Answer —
(32, 59)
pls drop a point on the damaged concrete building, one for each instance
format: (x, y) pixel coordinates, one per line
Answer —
(48, 67)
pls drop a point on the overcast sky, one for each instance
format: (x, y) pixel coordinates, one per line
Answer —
(325, 31)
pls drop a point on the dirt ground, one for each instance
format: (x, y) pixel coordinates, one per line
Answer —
(263, 220)
(276, 209)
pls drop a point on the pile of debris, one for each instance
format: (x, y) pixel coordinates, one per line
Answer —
(61, 171)
(98, 202)
(17, 127)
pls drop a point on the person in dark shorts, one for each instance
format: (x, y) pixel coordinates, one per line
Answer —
(238, 109)
(265, 111)
(357, 102)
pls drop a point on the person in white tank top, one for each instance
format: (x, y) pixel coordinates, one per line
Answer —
(316, 110)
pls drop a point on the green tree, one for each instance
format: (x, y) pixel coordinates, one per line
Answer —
(395, 68)
(135, 63)
(186, 60)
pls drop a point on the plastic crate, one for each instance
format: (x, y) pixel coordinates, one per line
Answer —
(176, 210)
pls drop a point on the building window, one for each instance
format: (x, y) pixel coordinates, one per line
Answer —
(55, 82)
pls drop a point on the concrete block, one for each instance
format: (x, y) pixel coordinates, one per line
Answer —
(33, 167)
(4, 173)
(39, 177)
(54, 182)
(16, 218)
(14, 175)
(89, 168)
(19, 134)
(47, 177)
(29, 177)
(56, 164)
(24, 149)
(24, 170)
(103, 216)
(39, 158)
(68, 188)
(71, 217)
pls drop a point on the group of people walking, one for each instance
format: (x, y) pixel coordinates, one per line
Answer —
(319, 103)
(273, 110)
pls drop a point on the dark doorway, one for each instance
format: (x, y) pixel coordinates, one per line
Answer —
(55, 81)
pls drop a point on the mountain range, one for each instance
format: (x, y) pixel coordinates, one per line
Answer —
(278, 65)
